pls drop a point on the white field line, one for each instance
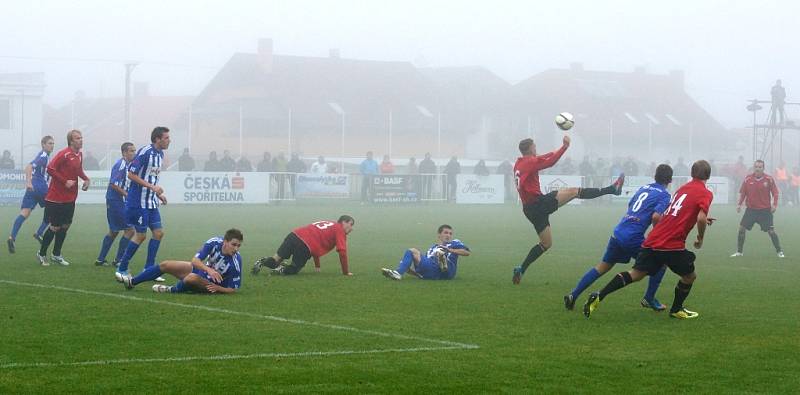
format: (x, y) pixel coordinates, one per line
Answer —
(223, 357)
(443, 344)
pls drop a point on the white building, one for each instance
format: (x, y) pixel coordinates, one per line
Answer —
(21, 115)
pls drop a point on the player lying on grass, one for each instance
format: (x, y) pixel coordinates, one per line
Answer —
(440, 263)
(313, 240)
(536, 206)
(216, 268)
(666, 244)
(645, 207)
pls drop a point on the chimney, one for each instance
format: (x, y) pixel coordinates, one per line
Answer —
(265, 54)
(677, 77)
(141, 89)
(333, 53)
(576, 67)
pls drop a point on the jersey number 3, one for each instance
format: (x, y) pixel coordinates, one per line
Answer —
(323, 224)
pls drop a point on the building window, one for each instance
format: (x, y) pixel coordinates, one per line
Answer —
(5, 114)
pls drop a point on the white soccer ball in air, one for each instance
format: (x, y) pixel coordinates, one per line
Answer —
(565, 121)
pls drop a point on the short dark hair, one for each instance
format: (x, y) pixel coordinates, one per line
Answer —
(663, 174)
(525, 145)
(234, 233)
(157, 133)
(346, 218)
(46, 138)
(759, 161)
(125, 146)
(443, 227)
(701, 170)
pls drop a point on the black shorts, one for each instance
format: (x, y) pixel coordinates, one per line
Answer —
(762, 217)
(539, 211)
(59, 214)
(681, 262)
(293, 247)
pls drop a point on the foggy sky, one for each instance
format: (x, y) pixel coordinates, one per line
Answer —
(730, 50)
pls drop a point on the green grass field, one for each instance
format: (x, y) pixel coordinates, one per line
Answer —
(75, 330)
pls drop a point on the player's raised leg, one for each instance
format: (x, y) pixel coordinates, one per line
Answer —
(412, 256)
(566, 195)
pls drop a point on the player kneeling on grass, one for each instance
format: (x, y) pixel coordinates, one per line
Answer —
(440, 263)
(666, 243)
(313, 240)
(645, 207)
(216, 268)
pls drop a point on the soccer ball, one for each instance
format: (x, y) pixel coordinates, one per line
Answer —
(565, 121)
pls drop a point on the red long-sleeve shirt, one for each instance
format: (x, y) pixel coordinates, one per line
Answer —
(757, 190)
(526, 173)
(321, 237)
(66, 165)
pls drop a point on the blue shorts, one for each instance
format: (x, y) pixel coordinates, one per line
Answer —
(115, 213)
(32, 198)
(429, 269)
(617, 252)
(143, 218)
(204, 275)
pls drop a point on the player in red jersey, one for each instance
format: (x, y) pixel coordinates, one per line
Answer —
(310, 241)
(536, 206)
(59, 203)
(666, 243)
(756, 191)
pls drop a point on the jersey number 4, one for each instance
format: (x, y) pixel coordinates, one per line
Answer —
(675, 205)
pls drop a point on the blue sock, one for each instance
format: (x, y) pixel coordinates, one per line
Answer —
(17, 224)
(123, 244)
(152, 250)
(588, 279)
(42, 227)
(149, 274)
(105, 247)
(126, 258)
(405, 263)
(653, 283)
(178, 287)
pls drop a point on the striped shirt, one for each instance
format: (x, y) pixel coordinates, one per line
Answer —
(39, 176)
(146, 165)
(228, 266)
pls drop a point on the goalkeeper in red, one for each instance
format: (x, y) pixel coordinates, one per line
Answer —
(666, 244)
(536, 206)
(310, 241)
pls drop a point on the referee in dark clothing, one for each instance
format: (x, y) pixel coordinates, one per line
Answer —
(59, 203)
(760, 193)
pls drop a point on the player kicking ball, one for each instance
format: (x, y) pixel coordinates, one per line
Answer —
(666, 244)
(644, 208)
(216, 268)
(313, 240)
(536, 206)
(440, 262)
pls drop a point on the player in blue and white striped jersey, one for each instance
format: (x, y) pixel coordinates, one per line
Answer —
(144, 198)
(216, 268)
(115, 206)
(36, 188)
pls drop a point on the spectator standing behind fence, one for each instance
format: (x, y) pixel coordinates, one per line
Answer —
(680, 169)
(279, 163)
(227, 163)
(480, 168)
(782, 179)
(296, 165)
(794, 186)
(387, 167)
(90, 162)
(368, 168)
(507, 171)
(243, 165)
(265, 166)
(6, 163)
(411, 167)
(185, 161)
(427, 168)
(630, 167)
(212, 164)
(319, 167)
(452, 170)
